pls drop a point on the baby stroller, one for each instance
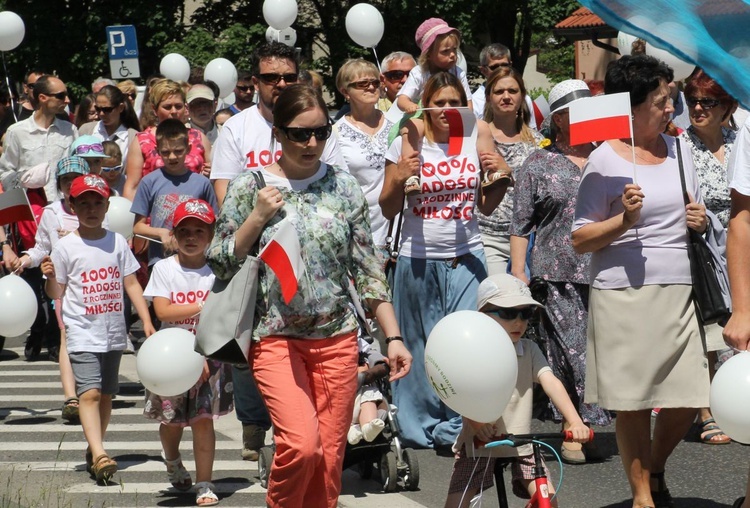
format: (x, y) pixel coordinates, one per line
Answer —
(385, 453)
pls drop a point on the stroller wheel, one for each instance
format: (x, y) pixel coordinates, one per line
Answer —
(411, 478)
(365, 469)
(388, 471)
(265, 460)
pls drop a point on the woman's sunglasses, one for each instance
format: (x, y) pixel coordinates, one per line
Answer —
(705, 103)
(511, 313)
(303, 134)
(104, 109)
(109, 169)
(364, 84)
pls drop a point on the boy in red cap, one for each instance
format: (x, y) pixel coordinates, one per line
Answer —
(90, 268)
(178, 287)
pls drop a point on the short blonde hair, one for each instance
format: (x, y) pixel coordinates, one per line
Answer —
(128, 87)
(353, 69)
(163, 89)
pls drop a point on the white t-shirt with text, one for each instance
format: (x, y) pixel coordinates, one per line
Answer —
(414, 85)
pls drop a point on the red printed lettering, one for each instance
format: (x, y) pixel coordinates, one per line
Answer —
(264, 158)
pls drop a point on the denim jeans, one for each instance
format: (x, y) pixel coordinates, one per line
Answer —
(248, 404)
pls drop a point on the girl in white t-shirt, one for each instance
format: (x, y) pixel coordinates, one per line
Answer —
(441, 259)
(439, 44)
(178, 287)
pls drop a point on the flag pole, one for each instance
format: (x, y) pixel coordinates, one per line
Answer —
(632, 148)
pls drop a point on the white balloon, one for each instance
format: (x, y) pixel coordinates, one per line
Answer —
(167, 364)
(625, 43)
(286, 36)
(119, 217)
(12, 30)
(674, 33)
(18, 304)
(472, 365)
(364, 24)
(280, 14)
(175, 67)
(730, 397)
(642, 22)
(222, 72)
(461, 63)
(681, 68)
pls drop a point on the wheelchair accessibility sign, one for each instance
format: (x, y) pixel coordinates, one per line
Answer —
(122, 51)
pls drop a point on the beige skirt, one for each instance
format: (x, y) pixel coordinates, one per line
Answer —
(645, 349)
(714, 337)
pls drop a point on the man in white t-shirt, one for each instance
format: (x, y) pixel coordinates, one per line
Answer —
(246, 142)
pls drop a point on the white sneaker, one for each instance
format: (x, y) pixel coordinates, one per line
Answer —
(371, 430)
(129, 347)
(354, 435)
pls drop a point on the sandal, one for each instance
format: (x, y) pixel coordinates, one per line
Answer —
(712, 434)
(89, 458)
(738, 503)
(70, 410)
(661, 496)
(205, 495)
(572, 455)
(178, 475)
(103, 468)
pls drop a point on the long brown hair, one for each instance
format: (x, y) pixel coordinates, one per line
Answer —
(524, 115)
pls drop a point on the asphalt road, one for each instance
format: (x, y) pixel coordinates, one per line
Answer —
(41, 458)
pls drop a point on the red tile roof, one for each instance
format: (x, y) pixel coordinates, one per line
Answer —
(581, 18)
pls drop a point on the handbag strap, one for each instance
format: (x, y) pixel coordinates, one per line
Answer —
(392, 240)
(260, 183)
(682, 172)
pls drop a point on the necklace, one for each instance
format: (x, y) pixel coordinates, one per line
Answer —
(650, 160)
(580, 153)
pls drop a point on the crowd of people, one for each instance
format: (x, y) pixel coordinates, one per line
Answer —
(416, 229)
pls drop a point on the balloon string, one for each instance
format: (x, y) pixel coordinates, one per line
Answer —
(7, 83)
(148, 238)
(377, 60)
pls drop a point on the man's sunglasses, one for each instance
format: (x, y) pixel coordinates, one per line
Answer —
(496, 66)
(104, 109)
(273, 78)
(705, 103)
(61, 96)
(247, 88)
(303, 134)
(511, 313)
(116, 169)
(395, 75)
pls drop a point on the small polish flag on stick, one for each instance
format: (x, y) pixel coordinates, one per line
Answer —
(462, 130)
(541, 110)
(600, 118)
(283, 255)
(15, 207)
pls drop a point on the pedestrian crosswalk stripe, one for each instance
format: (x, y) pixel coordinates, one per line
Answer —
(61, 427)
(55, 397)
(130, 466)
(28, 373)
(31, 385)
(17, 412)
(125, 487)
(36, 446)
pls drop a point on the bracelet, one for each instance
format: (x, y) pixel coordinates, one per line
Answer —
(399, 338)
(4, 243)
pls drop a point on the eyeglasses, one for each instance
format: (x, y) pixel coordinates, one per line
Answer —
(104, 109)
(248, 88)
(303, 134)
(61, 96)
(96, 147)
(705, 103)
(395, 75)
(511, 313)
(364, 84)
(272, 78)
(116, 169)
(496, 66)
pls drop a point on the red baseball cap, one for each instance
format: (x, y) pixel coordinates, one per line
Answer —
(195, 208)
(89, 183)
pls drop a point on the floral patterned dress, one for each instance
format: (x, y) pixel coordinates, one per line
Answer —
(545, 202)
(152, 160)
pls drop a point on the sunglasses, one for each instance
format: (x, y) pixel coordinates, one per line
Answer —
(705, 103)
(96, 147)
(248, 88)
(104, 109)
(496, 66)
(116, 169)
(303, 134)
(364, 84)
(272, 78)
(61, 96)
(395, 75)
(511, 313)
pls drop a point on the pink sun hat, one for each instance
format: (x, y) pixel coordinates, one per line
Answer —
(429, 30)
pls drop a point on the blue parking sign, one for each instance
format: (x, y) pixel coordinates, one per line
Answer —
(122, 51)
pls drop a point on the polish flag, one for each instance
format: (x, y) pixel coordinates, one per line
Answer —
(283, 255)
(15, 207)
(600, 118)
(541, 110)
(462, 129)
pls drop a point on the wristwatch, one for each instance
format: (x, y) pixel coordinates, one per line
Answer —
(388, 340)
(4, 242)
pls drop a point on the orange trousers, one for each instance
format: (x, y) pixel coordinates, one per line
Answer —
(309, 388)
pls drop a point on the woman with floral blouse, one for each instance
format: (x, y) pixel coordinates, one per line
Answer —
(711, 144)
(545, 202)
(304, 357)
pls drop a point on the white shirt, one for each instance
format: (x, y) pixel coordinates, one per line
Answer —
(439, 221)
(120, 136)
(738, 169)
(181, 286)
(414, 85)
(93, 272)
(27, 145)
(54, 219)
(246, 143)
(365, 155)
